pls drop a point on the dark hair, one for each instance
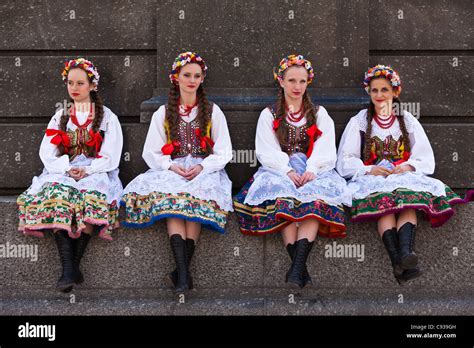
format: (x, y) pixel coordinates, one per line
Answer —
(172, 113)
(368, 132)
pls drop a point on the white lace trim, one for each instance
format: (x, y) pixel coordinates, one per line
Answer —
(365, 185)
(270, 184)
(106, 183)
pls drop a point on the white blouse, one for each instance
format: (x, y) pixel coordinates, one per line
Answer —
(349, 162)
(270, 154)
(156, 138)
(110, 151)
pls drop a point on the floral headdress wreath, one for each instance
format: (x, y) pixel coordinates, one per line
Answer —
(84, 64)
(183, 59)
(384, 71)
(291, 60)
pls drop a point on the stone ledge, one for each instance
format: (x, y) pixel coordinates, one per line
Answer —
(261, 262)
(118, 303)
(256, 99)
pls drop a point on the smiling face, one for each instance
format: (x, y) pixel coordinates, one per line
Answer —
(78, 85)
(381, 93)
(294, 83)
(189, 78)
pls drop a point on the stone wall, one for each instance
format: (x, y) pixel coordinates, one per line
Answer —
(133, 43)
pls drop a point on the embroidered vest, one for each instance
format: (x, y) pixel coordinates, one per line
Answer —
(297, 139)
(191, 138)
(390, 149)
(77, 142)
(81, 142)
(189, 141)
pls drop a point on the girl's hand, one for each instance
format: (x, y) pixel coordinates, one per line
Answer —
(73, 172)
(403, 168)
(82, 173)
(77, 173)
(295, 177)
(193, 172)
(178, 170)
(307, 177)
(376, 170)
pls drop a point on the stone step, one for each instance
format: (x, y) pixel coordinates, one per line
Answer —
(321, 301)
(140, 259)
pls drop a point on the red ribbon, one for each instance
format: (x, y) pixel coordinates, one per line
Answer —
(406, 156)
(373, 157)
(59, 137)
(95, 140)
(276, 124)
(313, 132)
(168, 149)
(204, 139)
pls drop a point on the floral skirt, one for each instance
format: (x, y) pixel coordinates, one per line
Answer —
(160, 194)
(437, 209)
(59, 206)
(144, 210)
(274, 215)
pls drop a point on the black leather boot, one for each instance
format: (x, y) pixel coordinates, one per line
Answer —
(409, 274)
(291, 248)
(80, 245)
(390, 240)
(406, 240)
(65, 248)
(302, 250)
(173, 276)
(178, 245)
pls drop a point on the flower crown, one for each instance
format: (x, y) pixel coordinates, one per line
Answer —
(291, 60)
(183, 59)
(85, 65)
(385, 71)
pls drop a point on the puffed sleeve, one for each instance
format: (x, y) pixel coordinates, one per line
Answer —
(267, 146)
(222, 149)
(324, 155)
(421, 156)
(349, 162)
(49, 152)
(155, 139)
(111, 148)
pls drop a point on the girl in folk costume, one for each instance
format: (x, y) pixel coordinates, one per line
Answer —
(296, 190)
(79, 189)
(187, 148)
(388, 156)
